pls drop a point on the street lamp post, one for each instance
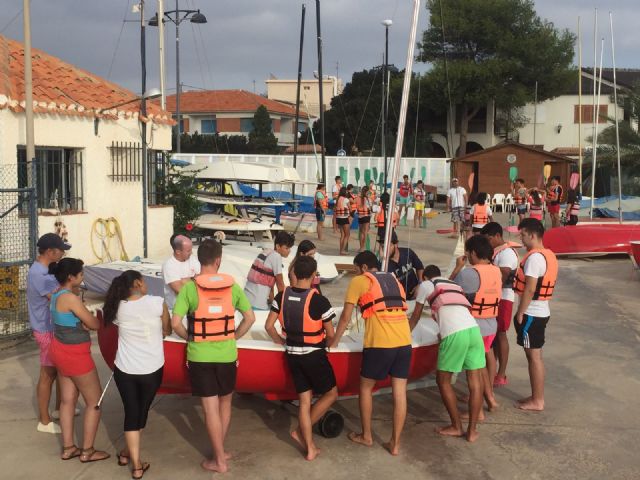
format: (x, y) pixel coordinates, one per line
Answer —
(341, 140)
(178, 17)
(383, 145)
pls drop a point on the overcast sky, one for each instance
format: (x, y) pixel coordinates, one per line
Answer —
(245, 41)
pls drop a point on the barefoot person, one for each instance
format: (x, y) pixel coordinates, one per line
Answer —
(461, 347)
(364, 206)
(305, 318)
(335, 193)
(535, 281)
(554, 199)
(143, 321)
(481, 213)
(320, 203)
(419, 196)
(405, 191)
(456, 204)
(520, 198)
(387, 343)
(40, 286)
(210, 301)
(505, 257)
(482, 283)
(71, 354)
(341, 212)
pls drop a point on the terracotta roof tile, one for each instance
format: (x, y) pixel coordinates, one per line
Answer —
(63, 88)
(568, 151)
(212, 101)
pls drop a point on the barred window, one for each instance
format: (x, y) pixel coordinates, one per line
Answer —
(59, 172)
(126, 167)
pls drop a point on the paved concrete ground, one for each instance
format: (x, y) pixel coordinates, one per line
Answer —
(590, 428)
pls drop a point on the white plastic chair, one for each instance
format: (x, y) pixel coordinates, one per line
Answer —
(509, 203)
(498, 201)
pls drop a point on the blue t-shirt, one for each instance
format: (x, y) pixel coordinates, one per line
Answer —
(39, 285)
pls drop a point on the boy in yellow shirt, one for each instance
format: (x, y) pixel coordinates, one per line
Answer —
(387, 343)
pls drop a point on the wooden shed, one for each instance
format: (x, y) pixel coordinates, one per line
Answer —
(491, 167)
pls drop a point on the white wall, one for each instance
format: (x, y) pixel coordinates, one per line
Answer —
(102, 197)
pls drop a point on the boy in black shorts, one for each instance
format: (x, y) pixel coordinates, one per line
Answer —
(305, 317)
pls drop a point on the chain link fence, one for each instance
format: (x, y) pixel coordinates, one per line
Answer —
(18, 231)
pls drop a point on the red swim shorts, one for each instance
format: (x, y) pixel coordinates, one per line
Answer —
(72, 360)
(488, 341)
(43, 339)
(505, 308)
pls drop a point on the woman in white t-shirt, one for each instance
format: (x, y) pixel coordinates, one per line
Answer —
(143, 321)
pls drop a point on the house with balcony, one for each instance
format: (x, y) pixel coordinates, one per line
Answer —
(285, 90)
(230, 112)
(559, 124)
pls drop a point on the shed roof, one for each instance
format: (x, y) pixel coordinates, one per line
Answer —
(550, 156)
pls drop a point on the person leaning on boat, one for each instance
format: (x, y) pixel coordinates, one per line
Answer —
(210, 301)
(142, 320)
(387, 342)
(266, 272)
(179, 268)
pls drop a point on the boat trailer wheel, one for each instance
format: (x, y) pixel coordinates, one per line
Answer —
(331, 424)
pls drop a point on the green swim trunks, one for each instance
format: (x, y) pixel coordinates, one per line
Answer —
(403, 200)
(463, 350)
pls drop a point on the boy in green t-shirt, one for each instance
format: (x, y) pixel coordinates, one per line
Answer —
(211, 343)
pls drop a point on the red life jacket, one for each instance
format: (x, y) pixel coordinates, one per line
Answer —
(352, 203)
(555, 195)
(259, 273)
(484, 302)
(404, 190)
(296, 322)
(214, 319)
(575, 209)
(341, 209)
(508, 282)
(480, 215)
(419, 195)
(385, 293)
(535, 211)
(445, 293)
(546, 284)
(363, 206)
(519, 199)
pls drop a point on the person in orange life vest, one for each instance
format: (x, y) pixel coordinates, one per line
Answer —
(482, 283)
(573, 207)
(353, 208)
(374, 191)
(419, 195)
(341, 214)
(266, 272)
(387, 342)
(335, 193)
(320, 204)
(481, 213)
(506, 259)
(210, 302)
(535, 204)
(381, 219)
(520, 198)
(363, 205)
(405, 190)
(554, 195)
(461, 347)
(535, 281)
(305, 319)
(306, 248)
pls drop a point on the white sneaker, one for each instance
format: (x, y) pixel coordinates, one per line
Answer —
(50, 427)
(56, 414)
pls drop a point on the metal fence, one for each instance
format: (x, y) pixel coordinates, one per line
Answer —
(18, 236)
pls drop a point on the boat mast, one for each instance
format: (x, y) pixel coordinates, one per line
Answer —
(615, 109)
(395, 173)
(579, 104)
(596, 111)
(594, 135)
(320, 99)
(296, 128)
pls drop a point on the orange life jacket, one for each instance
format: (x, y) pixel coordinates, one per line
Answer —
(446, 292)
(259, 273)
(296, 322)
(535, 211)
(373, 194)
(508, 282)
(380, 218)
(480, 215)
(484, 302)
(352, 203)
(385, 293)
(546, 283)
(363, 206)
(324, 203)
(341, 209)
(517, 198)
(214, 319)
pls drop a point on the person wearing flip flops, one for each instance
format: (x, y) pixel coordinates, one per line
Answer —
(71, 355)
(143, 321)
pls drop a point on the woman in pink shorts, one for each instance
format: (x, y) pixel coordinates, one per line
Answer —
(71, 354)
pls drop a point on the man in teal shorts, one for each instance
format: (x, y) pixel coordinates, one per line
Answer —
(461, 347)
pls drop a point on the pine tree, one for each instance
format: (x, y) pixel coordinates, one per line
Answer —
(261, 138)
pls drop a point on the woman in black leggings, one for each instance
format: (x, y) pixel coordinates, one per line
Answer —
(143, 321)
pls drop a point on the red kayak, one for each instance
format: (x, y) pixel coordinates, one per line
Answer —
(262, 367)
(592, 238)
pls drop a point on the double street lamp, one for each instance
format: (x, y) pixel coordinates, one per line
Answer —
(178, 16)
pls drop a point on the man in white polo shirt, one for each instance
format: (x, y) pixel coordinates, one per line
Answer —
(179, 268)
(456, 203)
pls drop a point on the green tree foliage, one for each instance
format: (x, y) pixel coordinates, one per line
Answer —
(197, 143)
(495, 50)
(357, 113)
(261, 138)
(181, 194)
